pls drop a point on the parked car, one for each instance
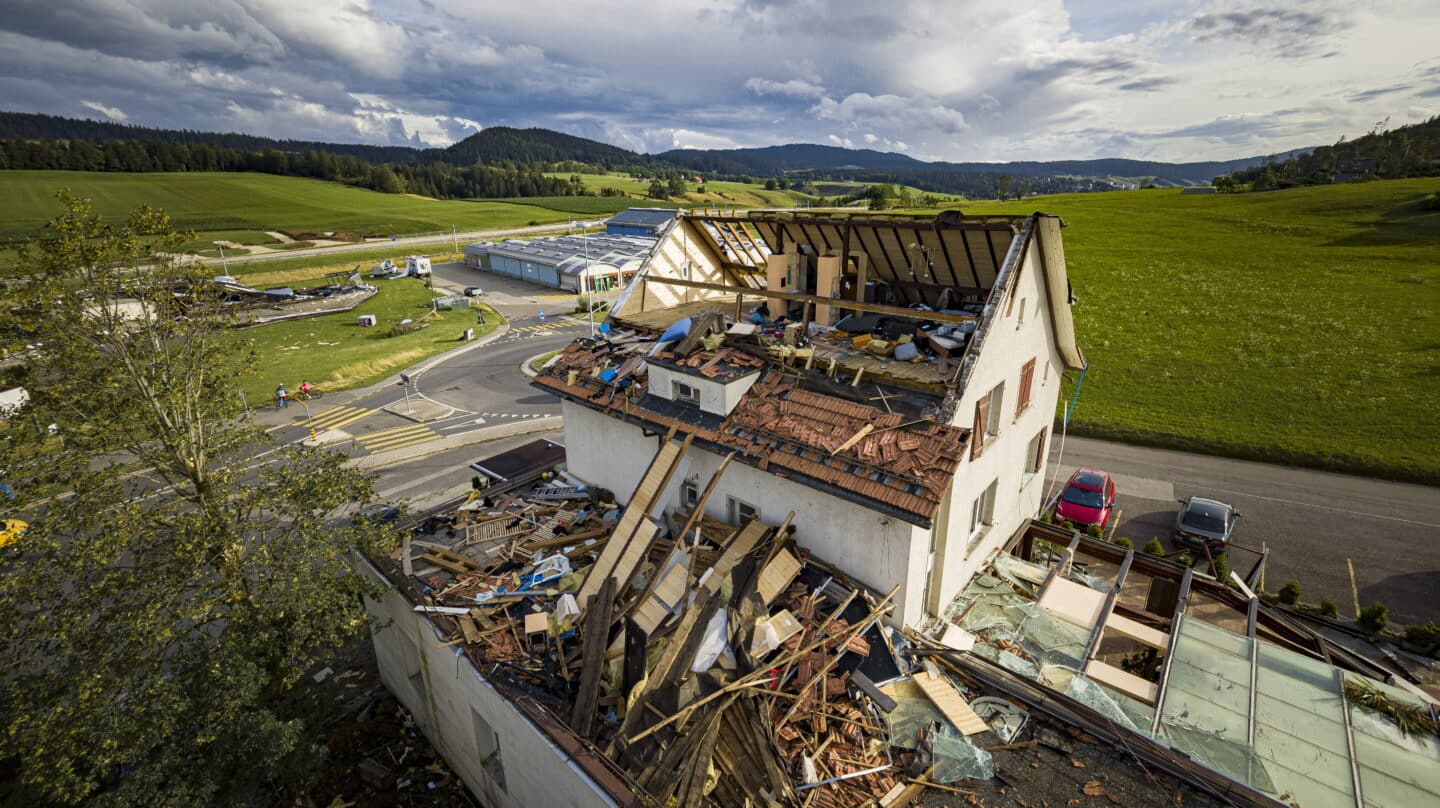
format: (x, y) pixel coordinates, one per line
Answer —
(11, 531)
(1205, 521)
(1088, 499)
(378, 513)
(473, 291)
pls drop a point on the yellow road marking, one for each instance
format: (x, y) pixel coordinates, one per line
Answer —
(339, 416)
(391, 431)
(397, 437)
(393, 446)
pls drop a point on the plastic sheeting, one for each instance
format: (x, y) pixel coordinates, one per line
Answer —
(955, 758)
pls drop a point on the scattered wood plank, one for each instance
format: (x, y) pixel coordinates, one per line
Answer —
(592, 660)
(950, 703)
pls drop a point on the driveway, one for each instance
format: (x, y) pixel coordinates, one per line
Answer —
(1314, 523)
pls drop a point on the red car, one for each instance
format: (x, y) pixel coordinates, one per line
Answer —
(1087, 499)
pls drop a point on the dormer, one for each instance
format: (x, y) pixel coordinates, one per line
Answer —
(711, 382)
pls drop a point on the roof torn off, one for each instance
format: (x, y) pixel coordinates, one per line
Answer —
(712, 665)
(757, 391)
(1161, 654)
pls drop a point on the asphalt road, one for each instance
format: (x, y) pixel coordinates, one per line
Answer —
(1312, 522)
(445, 239)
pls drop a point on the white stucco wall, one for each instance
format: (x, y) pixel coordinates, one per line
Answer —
(534, 771)
(715, 396)
(878, 550)
(1009, 344)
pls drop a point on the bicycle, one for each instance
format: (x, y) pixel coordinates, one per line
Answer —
(310, 396)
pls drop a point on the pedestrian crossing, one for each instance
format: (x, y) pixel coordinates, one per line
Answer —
(396, 438)
(336, 417)
(527, 331)
(513, 414)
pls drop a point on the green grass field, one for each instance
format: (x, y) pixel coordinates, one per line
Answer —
(334, 353)
(717, 193)
(219, 204)
(1299, 325)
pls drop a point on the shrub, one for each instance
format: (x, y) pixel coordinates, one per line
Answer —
(1374, 618)
(1328, 608)
(1067, 524)
(1126, 543)
(1290, 593)
(1186, 560)
(1154, 547)
(1221, 567)
(1426, 636)
(1098, 531)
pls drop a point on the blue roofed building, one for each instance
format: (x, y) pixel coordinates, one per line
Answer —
(639, 222)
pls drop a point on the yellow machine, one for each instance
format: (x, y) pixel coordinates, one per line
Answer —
(13, 530)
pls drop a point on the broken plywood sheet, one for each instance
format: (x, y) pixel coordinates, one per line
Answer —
(777, 575)
(1078, 604)
(662, 602)
(950, 703)
(632, 525)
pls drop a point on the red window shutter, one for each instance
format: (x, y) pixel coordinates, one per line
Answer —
(982, 417)
(1040, 451)
(1027, 378)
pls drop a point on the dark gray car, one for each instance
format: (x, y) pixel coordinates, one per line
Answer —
(1204, 520)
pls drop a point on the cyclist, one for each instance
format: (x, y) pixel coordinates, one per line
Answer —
(280, 396)
(305, 390)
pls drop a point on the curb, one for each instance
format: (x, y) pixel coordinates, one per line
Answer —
(525, 365)
(470, 438)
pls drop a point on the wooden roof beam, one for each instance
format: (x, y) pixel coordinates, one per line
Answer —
(834, 302)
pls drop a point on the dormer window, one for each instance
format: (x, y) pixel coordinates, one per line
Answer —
(687, 394)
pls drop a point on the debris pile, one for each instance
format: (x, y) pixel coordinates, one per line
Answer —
(713, 665)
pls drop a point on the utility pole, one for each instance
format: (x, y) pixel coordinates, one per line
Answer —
(308, 422)
(223, 262)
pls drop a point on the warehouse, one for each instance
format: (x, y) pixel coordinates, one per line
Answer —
(562, 262)
(639, 222)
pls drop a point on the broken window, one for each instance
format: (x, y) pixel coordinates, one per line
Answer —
(689, 494)
(487, 749)
(687, 394)
(741, 512)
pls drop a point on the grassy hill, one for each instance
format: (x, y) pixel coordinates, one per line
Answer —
(226, 205)
(717, 193)
(1299, 325)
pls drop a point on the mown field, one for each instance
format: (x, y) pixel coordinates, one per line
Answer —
(1299, 325)
(224, 205)
(734, 194)
(333, 352)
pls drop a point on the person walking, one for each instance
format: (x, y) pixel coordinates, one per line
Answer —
(281, 396)
(479, 317)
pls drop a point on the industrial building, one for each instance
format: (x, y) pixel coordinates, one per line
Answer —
(582, 264)
(647, 222)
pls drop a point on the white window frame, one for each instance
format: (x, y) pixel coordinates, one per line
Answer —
(1032, 457)
(740, 511)
(1020, 320)
(982, 510)
(689, 494)
(992, 422)
(686, 393)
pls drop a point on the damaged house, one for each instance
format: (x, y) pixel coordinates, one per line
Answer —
(786, 556)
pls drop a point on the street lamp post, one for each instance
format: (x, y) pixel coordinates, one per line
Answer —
(309, 423)
(223, 262)
(589, 285)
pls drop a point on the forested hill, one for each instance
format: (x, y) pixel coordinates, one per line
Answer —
(1405, 151)
(499, 144)
(30, 126)
(774, 160)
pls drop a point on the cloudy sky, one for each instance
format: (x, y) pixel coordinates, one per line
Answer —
(938, 79)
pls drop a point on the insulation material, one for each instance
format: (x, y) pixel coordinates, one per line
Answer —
(714, 643)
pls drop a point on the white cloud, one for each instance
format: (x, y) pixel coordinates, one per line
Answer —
(794, 88)
(891, 111)
(113, 113)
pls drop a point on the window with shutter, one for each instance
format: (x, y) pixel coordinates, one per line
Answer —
(1027, 379)
(982, 416)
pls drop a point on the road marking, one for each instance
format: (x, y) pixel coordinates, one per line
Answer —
(1320, 507)
(338, 417)
(1143, 487)
(397, 437)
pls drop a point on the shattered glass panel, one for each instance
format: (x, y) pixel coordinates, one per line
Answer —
(955, 758)
(1090, 693)
(1023, 574)
(1019, 665)
(1050, 640)
(1233, 759)
(1299, 729)
(913, 712)
(1207, 704)
(1396, 770)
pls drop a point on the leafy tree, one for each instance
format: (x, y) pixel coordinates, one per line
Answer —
(770, 184)
(1003, 185)
(676, 185)
(158, 620)
(658, 189)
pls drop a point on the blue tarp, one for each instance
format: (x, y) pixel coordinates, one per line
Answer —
(677, 331)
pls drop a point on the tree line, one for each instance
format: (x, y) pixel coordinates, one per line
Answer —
(436, 179)
(1406, 151)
